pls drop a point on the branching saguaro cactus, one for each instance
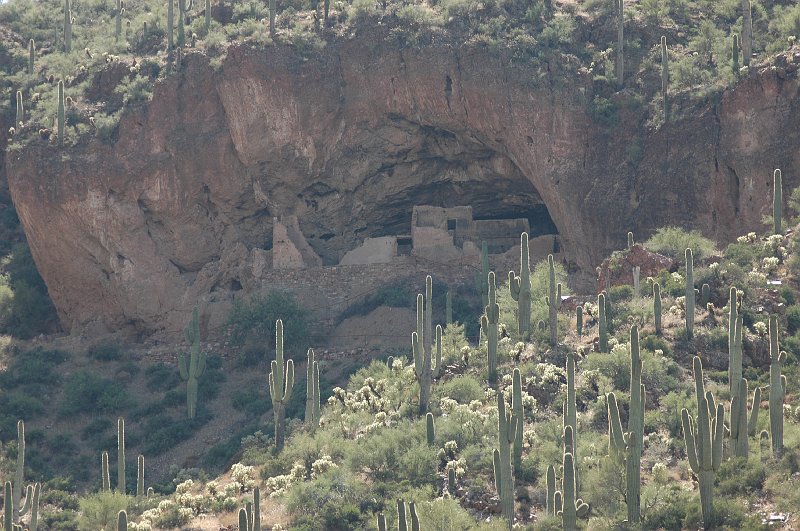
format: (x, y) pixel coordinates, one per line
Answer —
(690, 295)
(489, 322)
(121, 456)
(192, 368)
(777, 201)
(657, 307)
(422, 360)
(665, 76)
(747, 33)
(281, 381)
(627, 447)
(250, 516)
(15, 508)
(520, 286)
(570, 508)
(742, 428)
(507, 426)
(519, 412)
(602, 324)
(777, 389)
(704, 436)
(61, 113)
(312, 391)
(553, 301)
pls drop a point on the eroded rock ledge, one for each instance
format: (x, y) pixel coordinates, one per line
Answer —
(180, 208)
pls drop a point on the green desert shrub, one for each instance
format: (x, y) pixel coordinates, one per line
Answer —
(673, 242)
(463, 389)
(330, 501)
(99, 511)
(86, 392)
(255, 319)
(660, 375)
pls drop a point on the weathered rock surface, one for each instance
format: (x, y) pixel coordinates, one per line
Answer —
(179, 209)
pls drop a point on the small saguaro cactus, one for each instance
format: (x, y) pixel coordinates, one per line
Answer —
(630, 240)
(31, 56)
(519, 412)
(105, 477)
(437, 369)
(140, 491)
(705, 295)
(579, 320)
(20, 110)
(430, 429)
(657, 307)
(61, 112)
(602, 325)
(208, 15)
(690, 295)
(553, 301)
(503, 471)
(489, 322)
(636, 272)
(735, 54)
(665, 76)
(170, 24)
(121, 456)
(451, 480)
(520, 286)
(281, 381)
(704, 436)
(122, 521)
(777, 201)
(68, 20)
(193, 366)
(747, 33)
(312, 391)
(777, 389)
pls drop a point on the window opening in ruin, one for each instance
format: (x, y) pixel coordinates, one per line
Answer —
(451, 224)
(404, 245)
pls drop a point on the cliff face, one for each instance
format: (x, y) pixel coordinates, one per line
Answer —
(179, 209)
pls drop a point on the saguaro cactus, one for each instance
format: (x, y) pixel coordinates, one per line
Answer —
(105, 477)
(412, 509)
(140, 476)
(747, 33)
(31, 56)
(734, 344)
(627, 447)
(430, 429)
(272, 12)
(118, 16)
(121, 456)
(550, 507)
(520, 286)
(553, 301)
(122, 521)
(741, 427)
(312, 391)
(630, 240)
(192, 368)
(777, 389)
(777, 201)
(636, 272)
(570, 410)
(665, 76)
(20, 110)
(208, 15)
(602, 325)
(250, 516)
(402, 524)
(422, 359)
(704, 441)
(61, 112)
(489, 322)
(170, 24)
(18, 509)
(181, 40)
(570, 508)
(657, 307)
(281, 381)
(735, 54)
(448, 314)
(437, 369)
(68, 19)
(503, 472)
(519, 412)
(579, 320)
(620, 5)
(690, 296)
